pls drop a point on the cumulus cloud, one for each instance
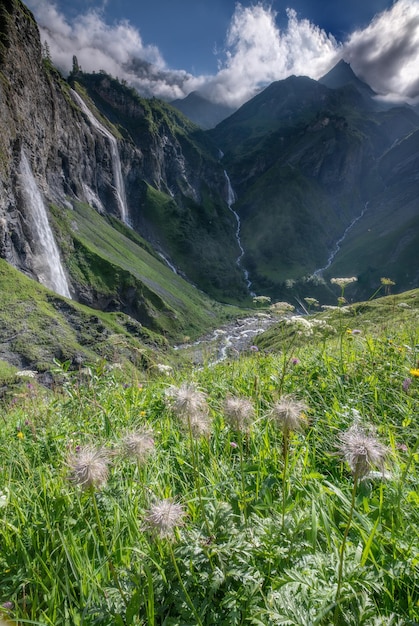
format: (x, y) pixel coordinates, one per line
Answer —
(385, 54)
(258, 53)
(116, 49)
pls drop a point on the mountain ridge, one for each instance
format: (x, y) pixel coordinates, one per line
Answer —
(310, 165)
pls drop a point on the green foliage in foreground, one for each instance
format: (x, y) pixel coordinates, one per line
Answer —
(274, 531)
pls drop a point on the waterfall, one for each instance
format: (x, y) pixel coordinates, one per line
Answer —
(119, 186)
(47, 262)
(231, 198)
(340, 241)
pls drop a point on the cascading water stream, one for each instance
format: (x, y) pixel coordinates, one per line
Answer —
(47, 262)
(231, 198)
(119, 186)
(340, 241)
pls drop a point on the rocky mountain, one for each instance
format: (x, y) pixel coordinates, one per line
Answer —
(123, 204)
(94, 141)
(341, 75)
(201, 111)
(310, 165)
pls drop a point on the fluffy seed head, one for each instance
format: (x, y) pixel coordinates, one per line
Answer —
(164, 516)
(138, 445)
(239, 412)
(189, 404)
(89, 467)
(289, 414)
(362, 451)
(186, 399)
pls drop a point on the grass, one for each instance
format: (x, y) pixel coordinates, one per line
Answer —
(244, 538)
(120, 261)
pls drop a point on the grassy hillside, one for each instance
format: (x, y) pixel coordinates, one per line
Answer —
(273, 488)
(39, 326)
(112, 261)
(137, 305)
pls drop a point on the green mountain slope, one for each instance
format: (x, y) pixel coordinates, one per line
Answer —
(175, 184)
(132, 306)
(304, 160)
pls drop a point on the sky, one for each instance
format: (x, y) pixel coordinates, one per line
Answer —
(230, 50)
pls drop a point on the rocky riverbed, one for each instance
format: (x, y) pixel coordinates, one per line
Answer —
(228, 341)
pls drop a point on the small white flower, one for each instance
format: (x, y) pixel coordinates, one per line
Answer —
(26, 373)
(4, 498)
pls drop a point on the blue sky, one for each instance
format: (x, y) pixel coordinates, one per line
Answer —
(229, 50)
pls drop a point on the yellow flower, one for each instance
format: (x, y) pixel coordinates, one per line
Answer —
(20, 435)
(414, 372)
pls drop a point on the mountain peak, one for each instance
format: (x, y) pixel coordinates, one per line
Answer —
(342, 74)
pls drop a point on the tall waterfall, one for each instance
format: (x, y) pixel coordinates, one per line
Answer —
(119, 186)
(47, 262)
(231, 198)
(340, 241)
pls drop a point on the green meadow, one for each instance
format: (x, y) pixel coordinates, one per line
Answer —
(278, 487)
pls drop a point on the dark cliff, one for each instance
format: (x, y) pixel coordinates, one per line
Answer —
(168, 169)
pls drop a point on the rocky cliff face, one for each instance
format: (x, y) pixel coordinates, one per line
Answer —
(95, 141)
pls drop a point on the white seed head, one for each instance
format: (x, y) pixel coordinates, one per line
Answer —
(164, 516)
(138, 444)
(189, 404)
(239, 412)
(362, 451)
(89, 467)
(289, 414)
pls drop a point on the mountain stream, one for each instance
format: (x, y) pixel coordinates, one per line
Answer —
(231, 198)
(228, 341)
(340, 241)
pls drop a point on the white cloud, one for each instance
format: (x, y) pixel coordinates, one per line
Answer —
(116, 49)
(386, 53)
(257, 52)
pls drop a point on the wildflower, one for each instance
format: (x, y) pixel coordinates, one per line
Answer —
(20, 435)
(164, 369)
(138, 445)
(414, 372)
(343, 282)
(282, 307)
(163, 517)
(233, 444)
(406, 384)
(261, 300)
(3, 499)
(311, 301)
(295, 361)
(254, 348)
(190, 405)
(289, 414)
(239, 412)
(89, 467)
(362, 451)
(387, 281)
(26, 374)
